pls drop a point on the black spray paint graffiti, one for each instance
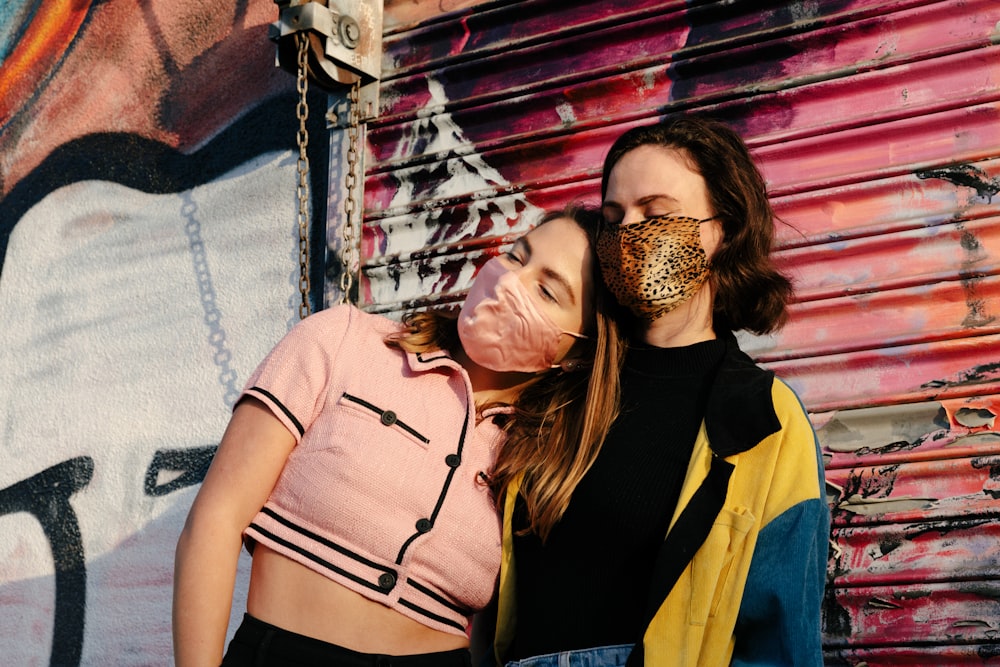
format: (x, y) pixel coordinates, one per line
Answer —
(46, 496)
(968, 176)
(965, 175)
(187, 466)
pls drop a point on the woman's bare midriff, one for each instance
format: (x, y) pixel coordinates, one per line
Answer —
(295, 598)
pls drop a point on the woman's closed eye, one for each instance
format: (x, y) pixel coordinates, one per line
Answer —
(659, 212)
(547, 293)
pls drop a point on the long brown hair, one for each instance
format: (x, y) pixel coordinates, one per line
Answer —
(561, 419)
(750, 293)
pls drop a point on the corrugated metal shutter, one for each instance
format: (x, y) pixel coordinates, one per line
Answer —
(877, 126)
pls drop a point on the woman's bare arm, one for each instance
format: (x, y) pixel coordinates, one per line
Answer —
(243, 473)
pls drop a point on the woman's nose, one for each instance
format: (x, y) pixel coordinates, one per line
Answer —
(515, 271)
(523, 274)
(631, 217)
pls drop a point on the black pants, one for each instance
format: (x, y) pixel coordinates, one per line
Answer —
(260, 644)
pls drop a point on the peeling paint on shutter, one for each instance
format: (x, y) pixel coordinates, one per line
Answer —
(877, 125)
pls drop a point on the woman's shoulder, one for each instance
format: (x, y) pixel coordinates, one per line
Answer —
(348, 317)
(786, 401)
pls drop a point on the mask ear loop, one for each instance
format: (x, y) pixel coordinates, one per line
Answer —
(575, 364)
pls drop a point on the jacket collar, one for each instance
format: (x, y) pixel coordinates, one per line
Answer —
(740, 412)
(421, 362)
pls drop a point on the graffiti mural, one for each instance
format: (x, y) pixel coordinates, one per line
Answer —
(149, 254)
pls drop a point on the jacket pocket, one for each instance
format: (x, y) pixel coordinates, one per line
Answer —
(383, 416)
(712, 568)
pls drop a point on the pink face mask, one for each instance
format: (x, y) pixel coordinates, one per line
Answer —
(502, 329)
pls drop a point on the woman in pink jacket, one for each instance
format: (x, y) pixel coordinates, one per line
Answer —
(355, 467)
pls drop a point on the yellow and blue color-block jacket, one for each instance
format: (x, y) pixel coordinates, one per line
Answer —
(746, 551)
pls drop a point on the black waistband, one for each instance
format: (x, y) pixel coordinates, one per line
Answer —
(269, 644)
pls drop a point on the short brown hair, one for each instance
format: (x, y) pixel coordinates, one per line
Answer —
(750, 293)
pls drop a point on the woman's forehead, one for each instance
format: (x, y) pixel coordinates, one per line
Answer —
(659, 173)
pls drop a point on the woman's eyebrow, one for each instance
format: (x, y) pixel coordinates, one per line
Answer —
(615, 207)
(522, 244)
(649, 199)
(548, 272)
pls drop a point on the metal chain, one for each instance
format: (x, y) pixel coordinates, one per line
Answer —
(302, 190)
(349, 251)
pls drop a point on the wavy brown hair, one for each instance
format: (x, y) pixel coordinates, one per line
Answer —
(750, 293)
(561, 419)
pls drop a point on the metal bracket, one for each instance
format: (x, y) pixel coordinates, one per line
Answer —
(345, 46)
(339, 113)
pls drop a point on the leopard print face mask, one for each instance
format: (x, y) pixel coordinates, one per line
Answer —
(655, 265)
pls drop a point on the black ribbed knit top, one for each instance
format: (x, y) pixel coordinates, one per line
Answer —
(587, 585)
